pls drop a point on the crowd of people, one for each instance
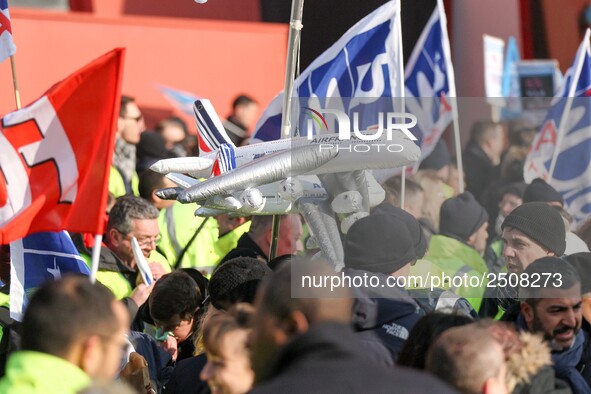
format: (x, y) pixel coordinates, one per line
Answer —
(509, 311)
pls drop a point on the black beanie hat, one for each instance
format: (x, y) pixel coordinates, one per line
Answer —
(378, 243)
(236, 281)
(540, 222)
(539, 190)
(412, 225)
(582, 263)
(438, 158)
(461, 216)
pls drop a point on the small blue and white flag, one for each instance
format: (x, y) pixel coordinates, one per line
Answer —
(183, 101)
(361, 73)
(561, 151)
(430, 83)
(37, 258)
(510, 82)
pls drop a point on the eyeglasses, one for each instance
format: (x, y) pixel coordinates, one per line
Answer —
(147, 241)
(142, 241)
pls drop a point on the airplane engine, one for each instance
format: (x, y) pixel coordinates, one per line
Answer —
(252, 199)
(169, 193)
(347, 202)
(225, 202)
(290, 189)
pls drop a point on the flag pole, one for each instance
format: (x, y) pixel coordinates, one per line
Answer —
(401, 82)
(458, 146)
(571, 94)
(295, 26)
(96, 252)
(17, 96)
(402, 187)
(452, 95)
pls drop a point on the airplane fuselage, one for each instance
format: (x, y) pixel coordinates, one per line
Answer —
(353, 154)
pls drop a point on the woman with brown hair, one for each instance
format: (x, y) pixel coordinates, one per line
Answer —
(228, 369)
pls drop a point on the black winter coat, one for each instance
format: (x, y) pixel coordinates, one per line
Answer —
(329, 359)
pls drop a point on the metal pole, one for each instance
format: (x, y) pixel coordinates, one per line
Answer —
(293, 47)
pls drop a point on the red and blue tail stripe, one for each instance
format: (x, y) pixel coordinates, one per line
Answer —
(212, 134)
(226, 159)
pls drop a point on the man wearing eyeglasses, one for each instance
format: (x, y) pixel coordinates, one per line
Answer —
(130, 125)
(130, 217)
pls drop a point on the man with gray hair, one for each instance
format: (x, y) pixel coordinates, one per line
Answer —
(131, 216)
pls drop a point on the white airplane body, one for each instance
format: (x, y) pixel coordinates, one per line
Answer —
(266, 178)
(351, 155)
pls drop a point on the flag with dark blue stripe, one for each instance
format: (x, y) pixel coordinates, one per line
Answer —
(37, 258)
(561, 151)
(360, 74)
(430, 83)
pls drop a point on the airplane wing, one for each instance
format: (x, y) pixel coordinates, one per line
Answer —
(267, 169)
(197, 167)
(182, 180)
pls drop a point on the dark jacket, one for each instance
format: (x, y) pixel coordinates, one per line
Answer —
(245, 242)
(120, 280)
(382, 318)
(479, 170)
(329, 359)
(159, 361)
(185, 377)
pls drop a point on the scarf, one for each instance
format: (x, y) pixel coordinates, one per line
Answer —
(565, 362)
(124, 158)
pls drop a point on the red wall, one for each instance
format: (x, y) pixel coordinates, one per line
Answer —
(213, 59)
(243, 10)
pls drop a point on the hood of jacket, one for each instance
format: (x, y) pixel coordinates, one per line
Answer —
(378, 306)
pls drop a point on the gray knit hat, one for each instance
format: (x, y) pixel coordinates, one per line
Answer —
(540, 222)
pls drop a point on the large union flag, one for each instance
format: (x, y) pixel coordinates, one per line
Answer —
(55, 154)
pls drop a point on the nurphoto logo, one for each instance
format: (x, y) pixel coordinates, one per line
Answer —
(378, 138)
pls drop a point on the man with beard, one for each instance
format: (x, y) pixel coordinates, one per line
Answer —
(551, 306)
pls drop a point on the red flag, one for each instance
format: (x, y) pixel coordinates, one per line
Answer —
(55, 154)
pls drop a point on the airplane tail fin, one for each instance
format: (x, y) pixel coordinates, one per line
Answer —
(226, 160)
(211, 132)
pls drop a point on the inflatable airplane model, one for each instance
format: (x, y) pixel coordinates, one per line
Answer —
(268, 178)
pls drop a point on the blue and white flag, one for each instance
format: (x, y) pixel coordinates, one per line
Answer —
(430, 83)
(183, 101)
(360, 73)
(37, 258)
(7, 47)
(561, 151)
(510, 82)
